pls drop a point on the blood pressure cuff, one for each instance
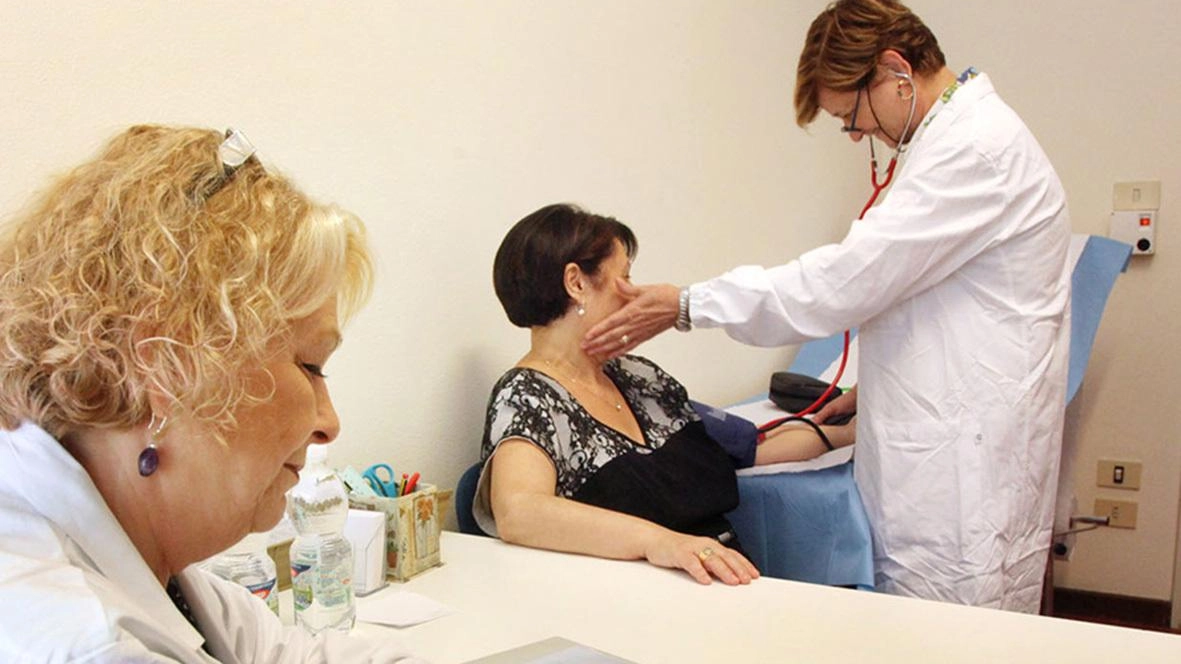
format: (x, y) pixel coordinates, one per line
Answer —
(737, 435)
(794, 392)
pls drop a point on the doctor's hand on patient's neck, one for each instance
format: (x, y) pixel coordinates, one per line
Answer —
(651, 310)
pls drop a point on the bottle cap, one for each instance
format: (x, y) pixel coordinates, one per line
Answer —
(317, 454)
(252, 543)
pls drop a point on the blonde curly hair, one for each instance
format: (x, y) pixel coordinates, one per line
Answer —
(148, 270)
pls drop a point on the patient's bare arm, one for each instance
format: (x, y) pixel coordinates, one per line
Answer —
(799, 442)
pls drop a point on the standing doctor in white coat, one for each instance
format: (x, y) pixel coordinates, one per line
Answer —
(958, 281)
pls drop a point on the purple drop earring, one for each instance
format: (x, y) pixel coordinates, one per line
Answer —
(149, 458)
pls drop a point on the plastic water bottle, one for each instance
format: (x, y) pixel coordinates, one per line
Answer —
(321, 557)
(248, 564)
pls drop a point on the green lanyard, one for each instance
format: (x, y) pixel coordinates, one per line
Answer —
(969, 74)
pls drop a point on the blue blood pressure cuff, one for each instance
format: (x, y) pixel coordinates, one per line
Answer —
(737, 435)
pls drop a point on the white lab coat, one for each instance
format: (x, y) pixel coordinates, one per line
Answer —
(959, 282)
(74, 588)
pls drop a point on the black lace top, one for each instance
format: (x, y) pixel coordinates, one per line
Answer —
(679, 477)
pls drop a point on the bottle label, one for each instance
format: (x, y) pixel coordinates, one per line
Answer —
(266, 592)
(261, 590)
(301, 586)
(336, 587)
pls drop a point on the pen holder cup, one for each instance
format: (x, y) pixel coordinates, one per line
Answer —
(411, 532)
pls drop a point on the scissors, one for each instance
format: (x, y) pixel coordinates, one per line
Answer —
(386, 486)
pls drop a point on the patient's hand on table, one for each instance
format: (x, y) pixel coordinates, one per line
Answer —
(527, 512)
(702, 557)
(798, 442)
(843, 405)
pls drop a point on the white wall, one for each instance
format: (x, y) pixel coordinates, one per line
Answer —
(443, 122)
(1097, 83)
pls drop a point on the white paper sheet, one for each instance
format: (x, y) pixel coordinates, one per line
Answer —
(400, 609)
(826, 460)
(554, 650)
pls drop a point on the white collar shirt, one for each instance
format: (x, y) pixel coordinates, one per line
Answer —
(75, 588)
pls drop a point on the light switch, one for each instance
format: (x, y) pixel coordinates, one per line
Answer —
(1141, 195)
(1118, 474)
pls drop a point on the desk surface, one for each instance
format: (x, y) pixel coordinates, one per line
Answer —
(506, 596)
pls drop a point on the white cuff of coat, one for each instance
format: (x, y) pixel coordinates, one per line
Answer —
(743, 301)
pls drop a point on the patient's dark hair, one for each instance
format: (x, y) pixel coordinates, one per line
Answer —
(532, 258)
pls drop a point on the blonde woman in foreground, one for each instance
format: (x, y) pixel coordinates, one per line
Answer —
(166, 312)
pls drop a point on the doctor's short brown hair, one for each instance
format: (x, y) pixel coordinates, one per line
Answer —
(151, 270)
(843, 44)
(528, 270)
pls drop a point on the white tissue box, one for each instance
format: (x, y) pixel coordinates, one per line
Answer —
(366, 532)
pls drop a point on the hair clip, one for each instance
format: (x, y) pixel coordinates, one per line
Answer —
(233, 152)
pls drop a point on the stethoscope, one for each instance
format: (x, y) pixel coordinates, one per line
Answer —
(873, 176)
(879, 182)
(902, 142)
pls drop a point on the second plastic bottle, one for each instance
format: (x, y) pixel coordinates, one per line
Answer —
(321, 557)
(248, 564)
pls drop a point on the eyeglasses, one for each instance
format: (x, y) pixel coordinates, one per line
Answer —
(852, 126)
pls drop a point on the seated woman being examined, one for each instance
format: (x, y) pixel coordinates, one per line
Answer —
(166, 312)
(604, 458)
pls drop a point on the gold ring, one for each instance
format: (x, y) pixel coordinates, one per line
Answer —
(705, 553)
(624, 339)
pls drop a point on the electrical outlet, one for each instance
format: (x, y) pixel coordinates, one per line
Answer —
(1118, 474)
(1121, 512)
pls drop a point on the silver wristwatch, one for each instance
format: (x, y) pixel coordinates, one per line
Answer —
(683, 322)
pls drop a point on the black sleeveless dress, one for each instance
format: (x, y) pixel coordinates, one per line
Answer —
(679, 478)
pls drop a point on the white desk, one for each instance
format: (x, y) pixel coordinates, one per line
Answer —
(506, 596)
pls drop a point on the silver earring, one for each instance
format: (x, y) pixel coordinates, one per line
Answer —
(149, 458)
(581, 309)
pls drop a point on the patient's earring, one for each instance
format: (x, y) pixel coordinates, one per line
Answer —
(581, 309)
(149, 458)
